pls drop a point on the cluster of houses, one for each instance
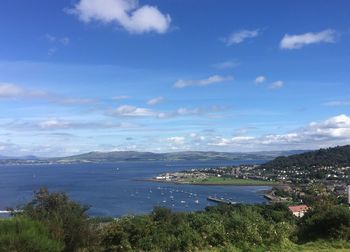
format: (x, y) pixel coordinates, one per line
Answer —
(334, 178)
(180, 177)
(311, 174)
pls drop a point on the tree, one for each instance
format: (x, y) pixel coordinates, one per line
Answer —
(66, 220)
(330, 224)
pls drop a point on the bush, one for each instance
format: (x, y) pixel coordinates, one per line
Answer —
(22, 235)
(218, 227)
(331, 224)
(65, 219)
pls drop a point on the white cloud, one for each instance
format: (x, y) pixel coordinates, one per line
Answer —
(181, 112)
(277, 85)
(226, 65)
(203, 82)
(64, 40)
(132, 111)
(240, 36)
(51, 51)
(72, 101)
(299, 41)
(53, 39)
(121, 97)
(337, 103)
(155, 100)
(126, 13)
(221, 141)
(62, 124)
(260, 79)
(8, 90)
(333, 131)
(176, 140)
(13, 91)
(330, 132)
(334, 127)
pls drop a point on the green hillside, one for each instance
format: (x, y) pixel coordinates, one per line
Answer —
(337, 157)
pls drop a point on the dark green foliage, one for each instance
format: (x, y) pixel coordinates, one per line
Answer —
(53, 222)
(65, 219)
(281, 193)
(219, 226)
(22, 235)
(326, 223)
(336, 157)
(317, 196)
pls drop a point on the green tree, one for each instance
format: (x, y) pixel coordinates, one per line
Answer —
(330, 224)
(66, 220)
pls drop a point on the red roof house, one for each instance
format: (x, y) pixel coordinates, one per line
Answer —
(299, 210)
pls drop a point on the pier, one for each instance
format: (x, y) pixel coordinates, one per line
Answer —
(221, 200)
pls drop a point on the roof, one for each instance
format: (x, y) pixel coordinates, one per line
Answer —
(299, 208)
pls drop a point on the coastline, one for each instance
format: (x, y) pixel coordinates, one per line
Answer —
(260, 183)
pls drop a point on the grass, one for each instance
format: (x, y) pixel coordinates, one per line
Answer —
(316, 246)
(228, 181)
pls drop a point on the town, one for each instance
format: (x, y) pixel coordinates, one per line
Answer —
(291, 185)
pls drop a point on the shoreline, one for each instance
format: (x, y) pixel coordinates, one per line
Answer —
(208, 184)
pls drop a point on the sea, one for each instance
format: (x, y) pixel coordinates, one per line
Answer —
(120, 189)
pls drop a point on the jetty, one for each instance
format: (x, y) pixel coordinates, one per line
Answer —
(275, 199)
(221, 200)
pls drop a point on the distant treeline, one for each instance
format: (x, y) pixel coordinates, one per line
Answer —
(53, 222)
(336, 157)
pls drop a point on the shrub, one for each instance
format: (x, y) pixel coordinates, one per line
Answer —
(21, 235)
(66, 220)
(332, 224)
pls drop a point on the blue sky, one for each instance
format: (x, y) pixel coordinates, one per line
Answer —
(106, 75)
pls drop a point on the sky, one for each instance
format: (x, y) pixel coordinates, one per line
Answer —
(163, 76)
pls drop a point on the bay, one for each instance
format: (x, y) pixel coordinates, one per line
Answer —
(121, 188)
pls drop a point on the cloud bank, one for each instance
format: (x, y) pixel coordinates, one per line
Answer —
(330, 132)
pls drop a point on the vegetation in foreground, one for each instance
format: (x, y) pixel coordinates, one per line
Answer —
(53, 222)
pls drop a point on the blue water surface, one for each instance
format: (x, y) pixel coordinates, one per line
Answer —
(119, 189)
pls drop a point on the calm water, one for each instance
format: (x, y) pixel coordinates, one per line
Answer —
(116, 189)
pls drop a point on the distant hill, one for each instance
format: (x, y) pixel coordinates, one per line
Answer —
(109, 157)
(338, 157)
(30, 157)
(117, 156)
